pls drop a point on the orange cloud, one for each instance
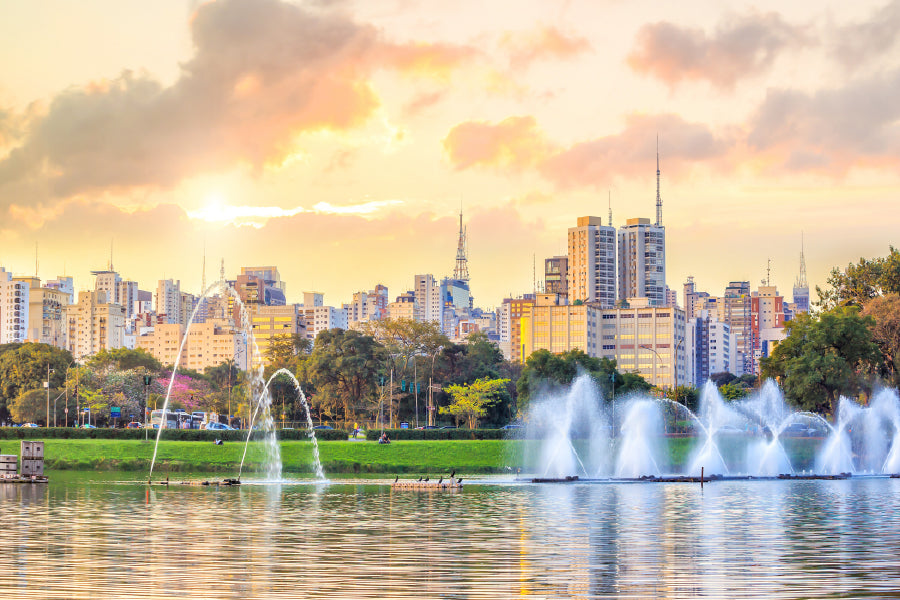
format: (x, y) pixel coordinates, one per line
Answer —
(515, 143)
(543, 44)
(263, 73)
(740, 48)
(518, 143)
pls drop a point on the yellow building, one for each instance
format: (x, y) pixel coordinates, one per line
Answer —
(556, 327)
(209, 344)
(269, 322)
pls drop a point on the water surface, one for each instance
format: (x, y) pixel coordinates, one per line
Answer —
(97, 536)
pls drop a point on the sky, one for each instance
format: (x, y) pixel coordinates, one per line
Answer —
(339, 141)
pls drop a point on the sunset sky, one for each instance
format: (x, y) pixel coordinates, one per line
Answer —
(339, 140)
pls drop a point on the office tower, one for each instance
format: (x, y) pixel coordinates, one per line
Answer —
(642, 261)
(591, 268)
(556, 273)
(14, 306)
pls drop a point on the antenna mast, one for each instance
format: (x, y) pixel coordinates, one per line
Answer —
(801, 282)
(658, 197)
(609, 192)
(461, 272)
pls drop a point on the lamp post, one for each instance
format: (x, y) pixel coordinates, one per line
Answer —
(429, 418)
(656, 359)
(47, 385)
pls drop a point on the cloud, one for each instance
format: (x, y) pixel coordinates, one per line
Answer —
(258, 216)
(741, 47)
(263, 73)
(514, 143)
(831, 130)
(856, 44)
(518, 143)
(545, 43)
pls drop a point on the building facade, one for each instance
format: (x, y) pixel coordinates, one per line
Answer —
(642, 261)
(591, 264)
(93, 324)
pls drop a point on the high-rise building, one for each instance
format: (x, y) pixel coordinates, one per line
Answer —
(14, 307)
(693, 299)
(404, 307)
(208, 344)
(260, 285)
(168, 301)
(735, 309)
(800, 298)
(269, 322)
(550, 325)
(64, 284)
(647, 339)
(509, 324)
(767, 322)
(94, 324)
(710, 349)
(642, 261)
(127, 295)
(321, 318)
(556, 274)
(591, 268)
(108, 281)
(45, 313)
(429, 301)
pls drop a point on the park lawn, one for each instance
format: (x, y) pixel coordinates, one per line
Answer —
(432, 456)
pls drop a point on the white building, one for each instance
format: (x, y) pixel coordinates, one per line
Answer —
(429, 302)
(94, 324)
(14, 298)
(322, 318)
(168, 300)
(649, 340)
(591, 271)
(642, 261)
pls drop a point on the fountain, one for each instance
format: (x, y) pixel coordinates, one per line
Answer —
(257, 387)
(310, 430)
(761, 436)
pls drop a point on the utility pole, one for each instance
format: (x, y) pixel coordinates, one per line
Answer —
(48, 395)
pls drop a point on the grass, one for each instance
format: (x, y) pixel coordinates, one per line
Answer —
(399, 457)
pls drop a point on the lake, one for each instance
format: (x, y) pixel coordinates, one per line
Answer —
(88, 535)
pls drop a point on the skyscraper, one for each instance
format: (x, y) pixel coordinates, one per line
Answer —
(591, 269)
(642, 261)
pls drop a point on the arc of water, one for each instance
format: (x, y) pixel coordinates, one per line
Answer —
(310, 431)
(164, 421)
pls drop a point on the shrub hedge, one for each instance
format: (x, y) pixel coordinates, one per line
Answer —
(439, 434)
(101, 433)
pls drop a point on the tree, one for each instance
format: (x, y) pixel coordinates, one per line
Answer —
(124, 359)
(885, 310)
(284, 349)
(344, 366)
(722, 378)
(545, 368)
(31, 407)
(732, 391)
(470, 402)
(824, 356)
(23, 367)
(859, 283)
(686, 395)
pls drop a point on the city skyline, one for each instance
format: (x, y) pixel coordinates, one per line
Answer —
(340, 141)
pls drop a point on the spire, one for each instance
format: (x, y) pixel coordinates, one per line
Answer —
(222, 271)
(610, 207)
(110, 255)
(658, 197)
(801, 281)
(461, 272)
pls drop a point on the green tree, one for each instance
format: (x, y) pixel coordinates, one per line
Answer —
(124, 359)
(687, 395)
(885, 310)
(824, 356)
(284, 349)
(859, 283)
(24, 367)
(344, 366)
(732, 391)
(470, 402)
(544, 368)
(31, 407)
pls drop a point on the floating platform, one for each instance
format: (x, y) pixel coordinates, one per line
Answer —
(427, 485)
(212, 482)
(25, 479)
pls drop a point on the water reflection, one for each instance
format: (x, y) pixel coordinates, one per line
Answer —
(797, 539)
